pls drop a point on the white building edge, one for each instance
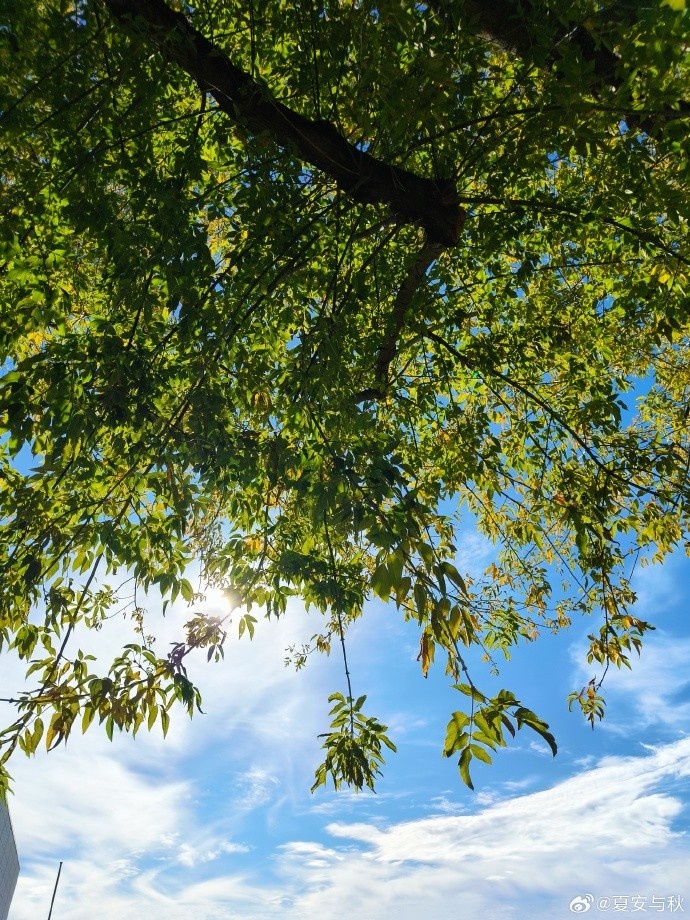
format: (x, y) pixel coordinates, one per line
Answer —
(9, 862)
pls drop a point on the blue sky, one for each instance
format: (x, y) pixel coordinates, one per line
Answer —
(217, 821)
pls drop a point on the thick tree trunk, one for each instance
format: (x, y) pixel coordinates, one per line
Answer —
(430, 204)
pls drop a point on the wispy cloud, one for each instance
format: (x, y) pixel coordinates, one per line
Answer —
(135, 816)
(189, 855)
(609, 830)
(216, 821)
(255, 787)
(655, 692)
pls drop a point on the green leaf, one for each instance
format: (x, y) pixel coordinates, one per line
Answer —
(451, 572)
(87, 718)
(381, 582)
(464, 766)
(480, 753)
(247, 341)
(455, 733)
(186, 590)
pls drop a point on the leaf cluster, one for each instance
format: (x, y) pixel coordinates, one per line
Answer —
(216, 350)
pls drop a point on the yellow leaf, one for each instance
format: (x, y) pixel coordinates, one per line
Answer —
(426, 652)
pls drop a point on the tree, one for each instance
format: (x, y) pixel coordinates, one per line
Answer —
(292, 290)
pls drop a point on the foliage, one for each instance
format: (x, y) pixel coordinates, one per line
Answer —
(353, 747)
(295, 291)
(482, 728)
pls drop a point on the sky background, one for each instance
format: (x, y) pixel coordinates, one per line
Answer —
(217, 821)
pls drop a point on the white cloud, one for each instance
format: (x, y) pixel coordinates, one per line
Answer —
(540, 749)
(126, 816)
(474, 552)
(132, 819)
(660, 588)
(441, 804)
(608, 830)
(329, 802)
(255, 787)
(655, 691)
(188, 855)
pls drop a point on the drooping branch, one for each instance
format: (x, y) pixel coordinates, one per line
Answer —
(412, 199)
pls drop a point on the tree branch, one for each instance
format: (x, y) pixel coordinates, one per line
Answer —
(415, 276)
(427, 203)
(509, 24)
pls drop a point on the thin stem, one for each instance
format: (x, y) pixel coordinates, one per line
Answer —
(341, 630)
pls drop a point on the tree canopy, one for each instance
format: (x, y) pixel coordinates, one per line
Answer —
(292, 291)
